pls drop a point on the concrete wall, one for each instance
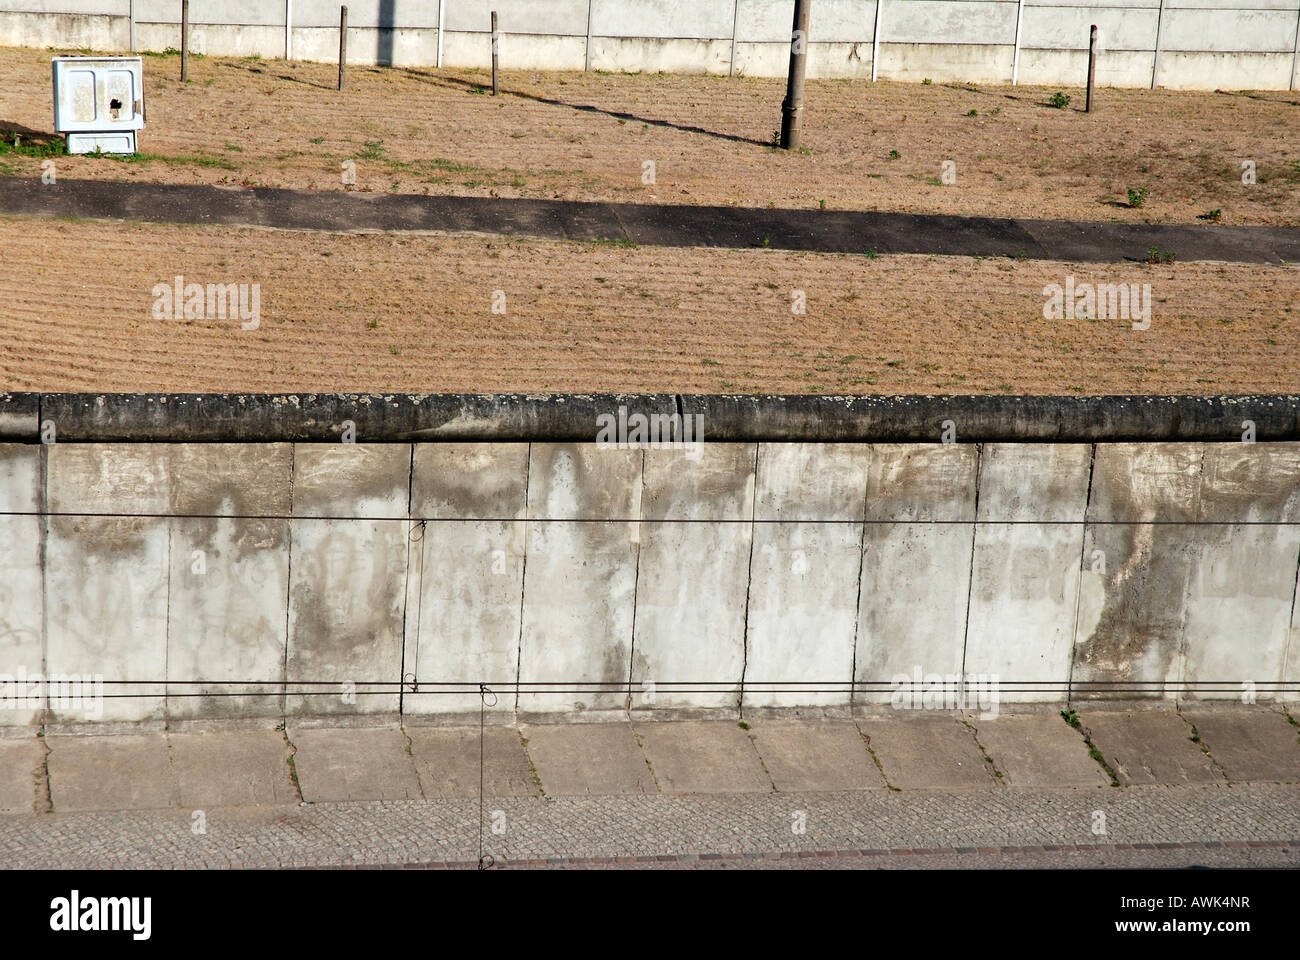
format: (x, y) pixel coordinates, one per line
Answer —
(302, 580)
(1199, 44)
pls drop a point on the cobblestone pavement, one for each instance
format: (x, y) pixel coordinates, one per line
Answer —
(1252, 824)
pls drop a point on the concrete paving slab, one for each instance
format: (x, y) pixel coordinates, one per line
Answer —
(1039, 750)
(21, 766)
(1148, 746)
(1249, 743)
(815, 755)
(927, 753)
(447, 762)
(125, 772)
(359, 763)
(703, 757)
(232, 768)
(577, 759)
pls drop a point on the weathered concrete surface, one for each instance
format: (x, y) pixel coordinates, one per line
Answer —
(1254, 744)
(106, 611)
(22, 776)
(714, 482)
(815, 755)
(1025, 570)
(231, 768)
(588, 758)
(447, 762)
(580, 581)
(470, 481)
(370, 480)
(1138, 558)
(1148, 746)
(124, 772)
(1038, 750)
(581, 481)
(463, 604)
(916, 563)
(702, 757)
(125, 479)
(347, 579)
(690, 615)
(22, 624)
(353, 763)
(811, 481)
(226, 616)
(918, 752)
(803, 611)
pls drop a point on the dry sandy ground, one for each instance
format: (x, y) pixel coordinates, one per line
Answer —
(414, 313)
(587, 136)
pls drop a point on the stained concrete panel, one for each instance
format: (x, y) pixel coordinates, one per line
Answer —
(519, 16)
(690, 615)
(230, 479)
(912, 608)
(470, 481)
(22, 774)
(106, 611)
(815, 755)
(357, 763)
(123, 772)
(579, 589)
(465, 588)
(1142, 482)
(231, 768)
(1249, 744)
(227, 614)
(660, 18)
(346, 585)
(581, 481)
(22, 621)
(125, 479)
(1148, 746)
(922, 481)
(588, 759)
(1023, 601)
(771, 20)
(1132, 609)
(702, 757)
(1039, 750)
(1239, 600)
(351, 480)
(1034, 482)
(20, 478)
(803, 611)
(715, 482)
(923, 752)
(447, 762)
(811, 481)
(1250, 483)
(949, 21)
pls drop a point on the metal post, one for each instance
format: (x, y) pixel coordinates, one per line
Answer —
(1015, 63)
(343, 46)
(288, 29)
(132, 15)
(495, 88)
(1092, 66)
(1155, 57)
(185, 41)
(792, 108)
(875, 41)
(442, 9)
(735, 19)
(586, 63)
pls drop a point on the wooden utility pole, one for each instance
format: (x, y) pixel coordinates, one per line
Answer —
(1092, 67)
(792, 108)
(343, 46)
